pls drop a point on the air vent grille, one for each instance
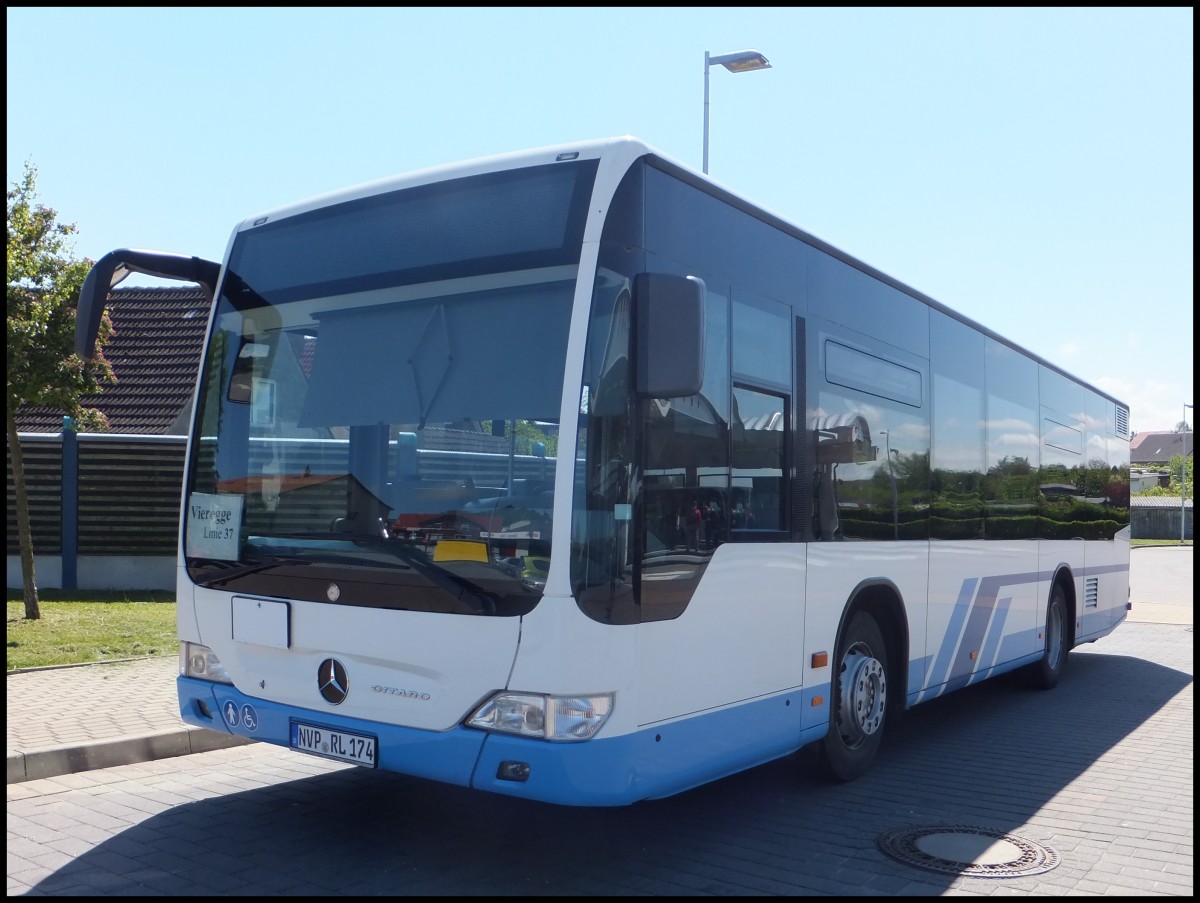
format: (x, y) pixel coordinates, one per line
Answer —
(1091, 592)
(1123, 421)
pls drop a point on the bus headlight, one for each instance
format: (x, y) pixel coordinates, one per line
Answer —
(562, 718)
(201, 662)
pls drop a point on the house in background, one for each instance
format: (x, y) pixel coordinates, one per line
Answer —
(1158, 517)
(115, 525)
(1154, 450)
(1141, 480)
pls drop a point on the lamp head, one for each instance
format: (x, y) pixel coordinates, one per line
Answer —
(740, 61)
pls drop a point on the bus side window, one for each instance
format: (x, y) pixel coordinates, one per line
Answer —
(759, 448)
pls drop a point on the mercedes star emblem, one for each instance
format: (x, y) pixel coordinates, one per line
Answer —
(332, 681)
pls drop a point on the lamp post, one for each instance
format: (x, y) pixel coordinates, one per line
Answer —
(1183, 475)
(738, 61)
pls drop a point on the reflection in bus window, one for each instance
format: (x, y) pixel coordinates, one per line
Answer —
(756, 500)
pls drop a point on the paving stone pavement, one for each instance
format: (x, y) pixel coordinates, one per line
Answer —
(1105, 781)
(72, 719)
(1099, 772)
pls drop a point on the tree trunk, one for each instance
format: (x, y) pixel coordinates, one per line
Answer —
(28, 571)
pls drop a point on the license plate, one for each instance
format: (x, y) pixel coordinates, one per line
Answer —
(340, 745)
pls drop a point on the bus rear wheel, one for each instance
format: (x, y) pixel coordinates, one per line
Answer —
(859, 703)
(1045, 673)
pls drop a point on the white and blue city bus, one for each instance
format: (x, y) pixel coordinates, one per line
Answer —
(571, 475)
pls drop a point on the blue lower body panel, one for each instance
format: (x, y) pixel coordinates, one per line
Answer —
(648, 764)
(448, 756)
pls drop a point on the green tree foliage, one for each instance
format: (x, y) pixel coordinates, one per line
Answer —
(1181, 467)
(529, 434)
(43, 369)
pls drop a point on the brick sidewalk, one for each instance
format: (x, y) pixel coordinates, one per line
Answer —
(65, 720)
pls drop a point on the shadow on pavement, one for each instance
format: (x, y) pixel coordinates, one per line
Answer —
(991, 755)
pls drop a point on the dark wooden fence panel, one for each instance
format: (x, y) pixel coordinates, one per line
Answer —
(129, 496)
(129, 490)
(1160, 523)
(43, 483)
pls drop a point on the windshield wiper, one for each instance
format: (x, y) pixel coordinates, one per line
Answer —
(231, 571)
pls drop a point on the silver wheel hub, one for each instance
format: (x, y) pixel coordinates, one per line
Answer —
(863, 697)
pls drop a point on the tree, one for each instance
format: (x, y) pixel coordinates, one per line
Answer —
(1180, 471)
(43, 369)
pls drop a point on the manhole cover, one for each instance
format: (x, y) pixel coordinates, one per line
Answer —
(965, 850)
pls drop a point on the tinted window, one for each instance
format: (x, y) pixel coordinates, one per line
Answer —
(762, 339)
(489, 223)
(958, 430)
(871, 479)
(760, 427)
(1011, 485)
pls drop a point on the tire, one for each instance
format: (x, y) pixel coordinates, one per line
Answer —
(1047, 671)
(858, 703)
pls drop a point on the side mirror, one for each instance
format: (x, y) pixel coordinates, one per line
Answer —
(113, 267)
(669, 337)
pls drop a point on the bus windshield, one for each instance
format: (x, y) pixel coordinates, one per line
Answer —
(378, 412)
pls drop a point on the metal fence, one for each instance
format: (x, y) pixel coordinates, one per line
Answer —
(98, 494)
(1157, 517)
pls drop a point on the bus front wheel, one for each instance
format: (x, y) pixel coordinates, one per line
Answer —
(859, 703)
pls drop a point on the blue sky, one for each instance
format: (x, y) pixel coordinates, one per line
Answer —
(1031, 168)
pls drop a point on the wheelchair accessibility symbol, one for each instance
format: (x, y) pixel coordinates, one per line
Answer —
(246, 716)
(249, 718)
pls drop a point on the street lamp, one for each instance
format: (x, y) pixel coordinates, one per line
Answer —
(738, 61)
(1183, 475)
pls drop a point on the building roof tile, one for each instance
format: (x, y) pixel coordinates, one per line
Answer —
(1158, 447)
(155, 355)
